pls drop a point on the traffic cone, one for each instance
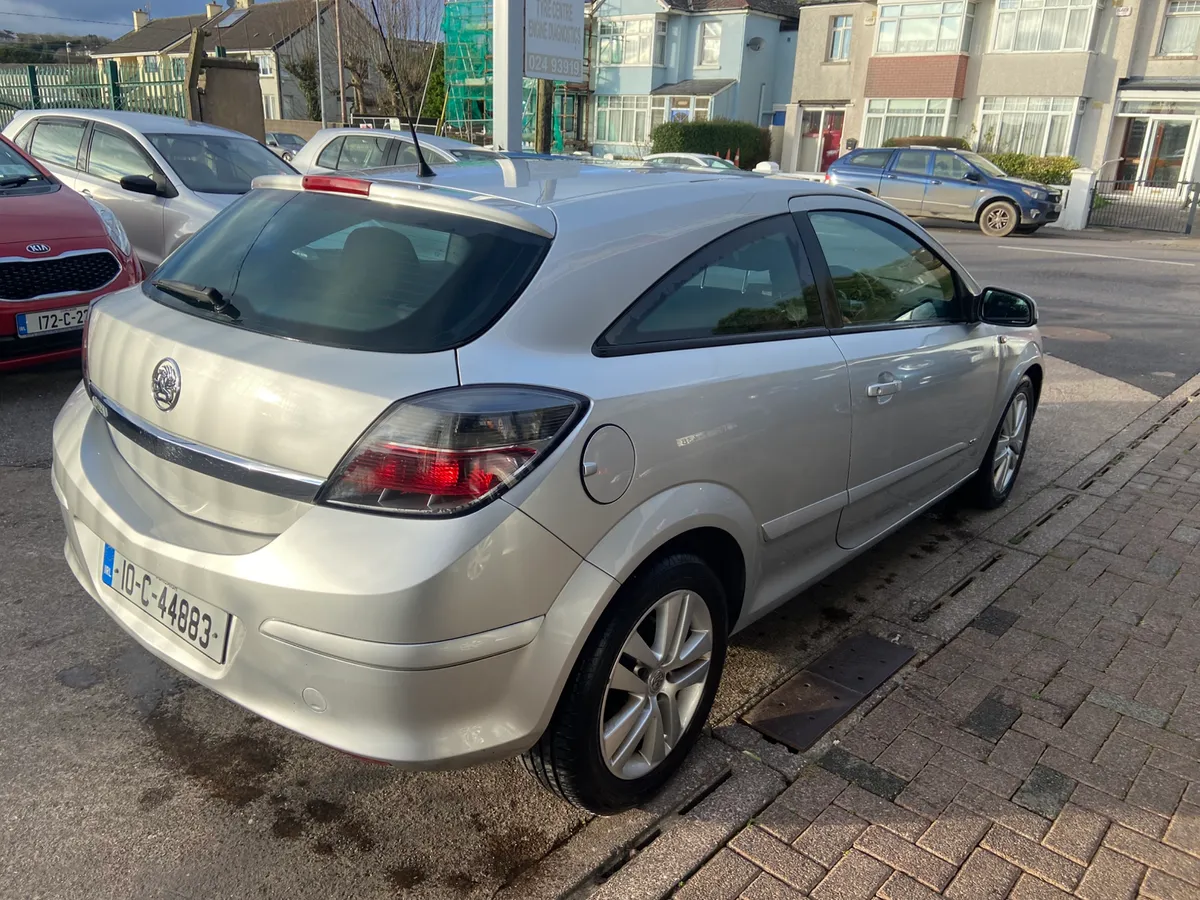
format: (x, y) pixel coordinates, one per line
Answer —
(737, 159)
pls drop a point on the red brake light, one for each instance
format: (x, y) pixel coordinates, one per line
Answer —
(336, 184)
(450, 451)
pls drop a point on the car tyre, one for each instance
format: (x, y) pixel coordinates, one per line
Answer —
(588, 756)
(1002, 463)
(999, 219)
(1026, 229)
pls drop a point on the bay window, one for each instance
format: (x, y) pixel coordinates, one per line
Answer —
(925, 27)
(1181, 29)
(632, 42)
(1040, 126)
(1032, 26)
(622, 119)
(908, 118)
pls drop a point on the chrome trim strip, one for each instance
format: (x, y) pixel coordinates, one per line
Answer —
(434, 655)
(36, 259)
(247, 473)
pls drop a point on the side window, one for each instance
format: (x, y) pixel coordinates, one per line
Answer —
(882, 274)
(329, 156)
(947, 165)
(22, 140)
(363, 152)
(754, 280)
(911, 162)
(407, 154)
(57, 143)
(113, 156)
(870, 159)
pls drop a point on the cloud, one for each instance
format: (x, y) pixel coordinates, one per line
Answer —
(32, 16)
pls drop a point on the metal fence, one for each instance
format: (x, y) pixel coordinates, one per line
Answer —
(1148, 205)
(105, 85)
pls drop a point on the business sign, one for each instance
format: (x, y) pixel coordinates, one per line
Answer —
(554, 39)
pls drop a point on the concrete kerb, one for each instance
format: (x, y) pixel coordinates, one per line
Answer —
(735, 773)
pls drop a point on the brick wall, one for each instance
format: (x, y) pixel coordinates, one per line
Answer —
(917, 76)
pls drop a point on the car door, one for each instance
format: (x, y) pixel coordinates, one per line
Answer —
(364, 151)
(111, 155)
(951, 193)
(57, 144)
(903, 184)
(923, 376)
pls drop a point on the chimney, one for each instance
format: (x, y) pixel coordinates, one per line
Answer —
(141, 19)
(212, 10)
(242, 4)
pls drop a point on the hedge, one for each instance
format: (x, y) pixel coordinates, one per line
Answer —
(1043, 169)
(716, 136)
(933, 140)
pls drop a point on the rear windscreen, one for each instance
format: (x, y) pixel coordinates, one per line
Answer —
(351, 272)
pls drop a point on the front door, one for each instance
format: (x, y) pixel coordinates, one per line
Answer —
(904, 182)
(111, 156)
(1165, 152)
(950, 192)
(923, 378)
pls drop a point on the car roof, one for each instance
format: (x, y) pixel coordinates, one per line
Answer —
(145, 123)
(432, 140)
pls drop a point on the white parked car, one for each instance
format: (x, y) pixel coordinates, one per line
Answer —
(689, 160)
(337, 149)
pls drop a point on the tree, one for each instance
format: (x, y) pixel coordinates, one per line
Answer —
(412, 30)
(304, 69)
(435, 94)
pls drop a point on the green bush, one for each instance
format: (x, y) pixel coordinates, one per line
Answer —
(1045, 169)
(928, 141)
(716, 136)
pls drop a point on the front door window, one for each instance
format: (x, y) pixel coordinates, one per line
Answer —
(1154, 152)
(820, 138)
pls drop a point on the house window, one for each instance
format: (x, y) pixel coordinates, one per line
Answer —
(925, 28)
(150, 65)
(1041, 126)
(1181, 29)
(632, 42)
(269, 109)
(908, 118)
(839, 40)
(679, 109)
(1031, 26)
(266, 65)
(622, 119)
(710, 44)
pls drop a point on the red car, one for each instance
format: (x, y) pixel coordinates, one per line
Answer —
(59, 251)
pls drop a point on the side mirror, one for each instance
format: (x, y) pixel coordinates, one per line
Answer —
(973, 175)
(1003, 307)
(139, 184)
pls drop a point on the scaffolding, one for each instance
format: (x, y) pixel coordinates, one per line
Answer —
(468, 28)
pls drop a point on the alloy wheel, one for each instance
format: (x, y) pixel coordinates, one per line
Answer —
(656, 684)
(997, 218)
(1010, 443)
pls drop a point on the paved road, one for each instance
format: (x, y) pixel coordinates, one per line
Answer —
(122, 779)
(1126, 308)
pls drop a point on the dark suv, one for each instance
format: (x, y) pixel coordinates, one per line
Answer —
(949, 184)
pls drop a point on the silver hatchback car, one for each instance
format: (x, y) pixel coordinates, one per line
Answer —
(438, 472)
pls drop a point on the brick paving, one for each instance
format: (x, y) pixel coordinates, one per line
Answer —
(1051, 749)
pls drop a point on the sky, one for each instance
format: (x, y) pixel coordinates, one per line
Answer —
(111, 18)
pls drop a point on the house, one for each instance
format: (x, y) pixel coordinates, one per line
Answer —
(1116, 85)
(277, 36)
(669, 60)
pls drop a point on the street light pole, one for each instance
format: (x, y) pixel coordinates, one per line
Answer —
(320, 67)
(337, 18)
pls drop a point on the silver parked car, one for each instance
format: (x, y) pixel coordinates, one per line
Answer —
(163, 177)
(689, 160)
(335, 149)
(447, 471)
(284, 144)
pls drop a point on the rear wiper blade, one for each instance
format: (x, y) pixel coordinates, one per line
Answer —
(198, 295)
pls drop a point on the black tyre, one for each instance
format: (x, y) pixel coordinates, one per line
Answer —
(1026, 229)
(640, 691)
(999, 218)
(1002, 462)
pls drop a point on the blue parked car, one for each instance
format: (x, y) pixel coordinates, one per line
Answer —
(949, 184)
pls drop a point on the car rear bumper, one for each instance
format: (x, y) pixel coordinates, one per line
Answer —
(373, 686)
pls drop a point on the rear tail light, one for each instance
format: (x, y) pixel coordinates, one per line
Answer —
(452, 451)
(336, 184)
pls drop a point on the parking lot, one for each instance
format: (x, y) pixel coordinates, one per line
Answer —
(122, 779)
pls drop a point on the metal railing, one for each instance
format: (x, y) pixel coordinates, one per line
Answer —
(1147, 205)
(105, 85)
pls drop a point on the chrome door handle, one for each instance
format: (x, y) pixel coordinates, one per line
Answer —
(86, 192)
(935, 181)
(883, 389)
(889, 176)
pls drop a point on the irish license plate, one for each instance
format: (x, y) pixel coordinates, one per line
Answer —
(51, 320)
(196, 622)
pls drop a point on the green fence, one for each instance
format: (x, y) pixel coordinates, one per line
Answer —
(160, 87)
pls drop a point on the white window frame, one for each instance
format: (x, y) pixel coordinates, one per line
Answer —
(627, 110)
(1179, 9)
(150, 65)
(648, 35)
(266, 65)
(881, 109)
(269, 111)
(893, 16)
(1009, 13)
(840, 32)
(708, 36)
(999, 115)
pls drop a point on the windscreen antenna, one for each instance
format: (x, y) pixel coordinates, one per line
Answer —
(423, 169)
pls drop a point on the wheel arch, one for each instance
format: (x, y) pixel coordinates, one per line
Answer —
(989, 200)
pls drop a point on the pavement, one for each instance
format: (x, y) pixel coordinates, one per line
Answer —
(122, 779)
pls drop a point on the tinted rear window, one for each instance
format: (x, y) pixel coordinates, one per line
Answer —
(870, 159)
(355, 273)
(216, 164)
